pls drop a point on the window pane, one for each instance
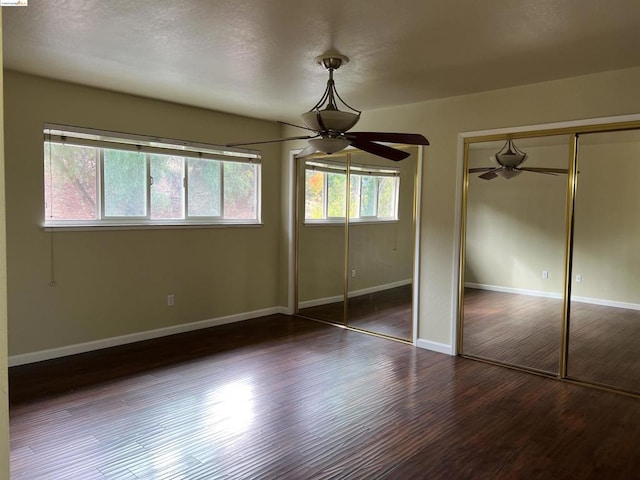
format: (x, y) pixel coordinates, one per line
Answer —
(125, 184)
(93, 185)
(354, 200)
(239, 191)
(368, 196)
(204, 188)
(70, 182)
(314, 195)
(167, 190)
(337, 193)
(387, 197)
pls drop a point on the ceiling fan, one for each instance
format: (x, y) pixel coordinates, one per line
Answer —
(330, 126)
(509, 159)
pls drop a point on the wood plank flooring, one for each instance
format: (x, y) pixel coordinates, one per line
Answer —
(604, 345)
(288, 398)
(387, 312)
(524, 330)
(516, 329)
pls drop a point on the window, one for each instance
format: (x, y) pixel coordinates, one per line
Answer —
(100, 179)
(373, 193)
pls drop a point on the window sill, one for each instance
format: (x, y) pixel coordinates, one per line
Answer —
(95, 227)
(338, 223)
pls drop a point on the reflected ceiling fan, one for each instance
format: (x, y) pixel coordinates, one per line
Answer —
(509, 159)
(330, 126)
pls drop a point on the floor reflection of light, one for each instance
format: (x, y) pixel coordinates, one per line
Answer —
(166, 460)
(230, 407)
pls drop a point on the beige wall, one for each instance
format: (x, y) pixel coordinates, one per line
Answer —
(4, 384)
(113, 283)
(599, 95)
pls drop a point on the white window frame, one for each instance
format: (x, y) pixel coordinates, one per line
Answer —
(148, 146)
(361, 171)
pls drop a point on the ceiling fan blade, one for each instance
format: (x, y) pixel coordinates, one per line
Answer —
(310, 150)
(489, 175)
(380, 150)
(547, 171)
(481, 169)
(294, 125)
(303, 137)
(390, 137)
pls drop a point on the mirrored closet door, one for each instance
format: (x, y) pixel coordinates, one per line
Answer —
(514, 259)
(356, 241)
(604, 329)
(321, 238)
(381, 243)
(549, 253)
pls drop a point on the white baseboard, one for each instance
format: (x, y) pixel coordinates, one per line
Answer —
(320, 301)
(538, 293)
(380, 288)
(605, 303)
(355, 293)
(435, 346)
(49, 354)
(282, 310)
(519, 291)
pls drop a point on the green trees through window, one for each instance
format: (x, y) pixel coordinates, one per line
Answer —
(93, 185)
(125, 184)
(70, 182)
(240, 187)
(372, 195)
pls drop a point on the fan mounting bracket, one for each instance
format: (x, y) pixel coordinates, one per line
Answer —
(332, 61)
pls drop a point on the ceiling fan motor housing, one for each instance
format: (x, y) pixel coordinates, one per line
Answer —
(510, 156)
(330, 121)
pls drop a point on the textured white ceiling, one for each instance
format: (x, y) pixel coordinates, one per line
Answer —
(256, 57)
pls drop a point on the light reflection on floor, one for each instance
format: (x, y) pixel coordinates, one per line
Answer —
(229, 408)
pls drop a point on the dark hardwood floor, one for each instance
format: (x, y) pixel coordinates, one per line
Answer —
(516, 329)
(523, 330)
(288, 398)
(387, 312)
(604, 345)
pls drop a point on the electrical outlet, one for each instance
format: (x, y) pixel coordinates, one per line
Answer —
(545, 274)
(170, 300)
(353, 273)
(578, 278)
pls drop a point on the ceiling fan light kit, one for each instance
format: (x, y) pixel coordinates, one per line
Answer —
(508, 173)
(331, 125)
(329, 144)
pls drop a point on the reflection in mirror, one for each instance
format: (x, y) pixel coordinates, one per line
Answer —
(381, 244)
(604, 335)
(321, 237)
(514, 254)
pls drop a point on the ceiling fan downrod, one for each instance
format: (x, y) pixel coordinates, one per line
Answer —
(325, 116)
